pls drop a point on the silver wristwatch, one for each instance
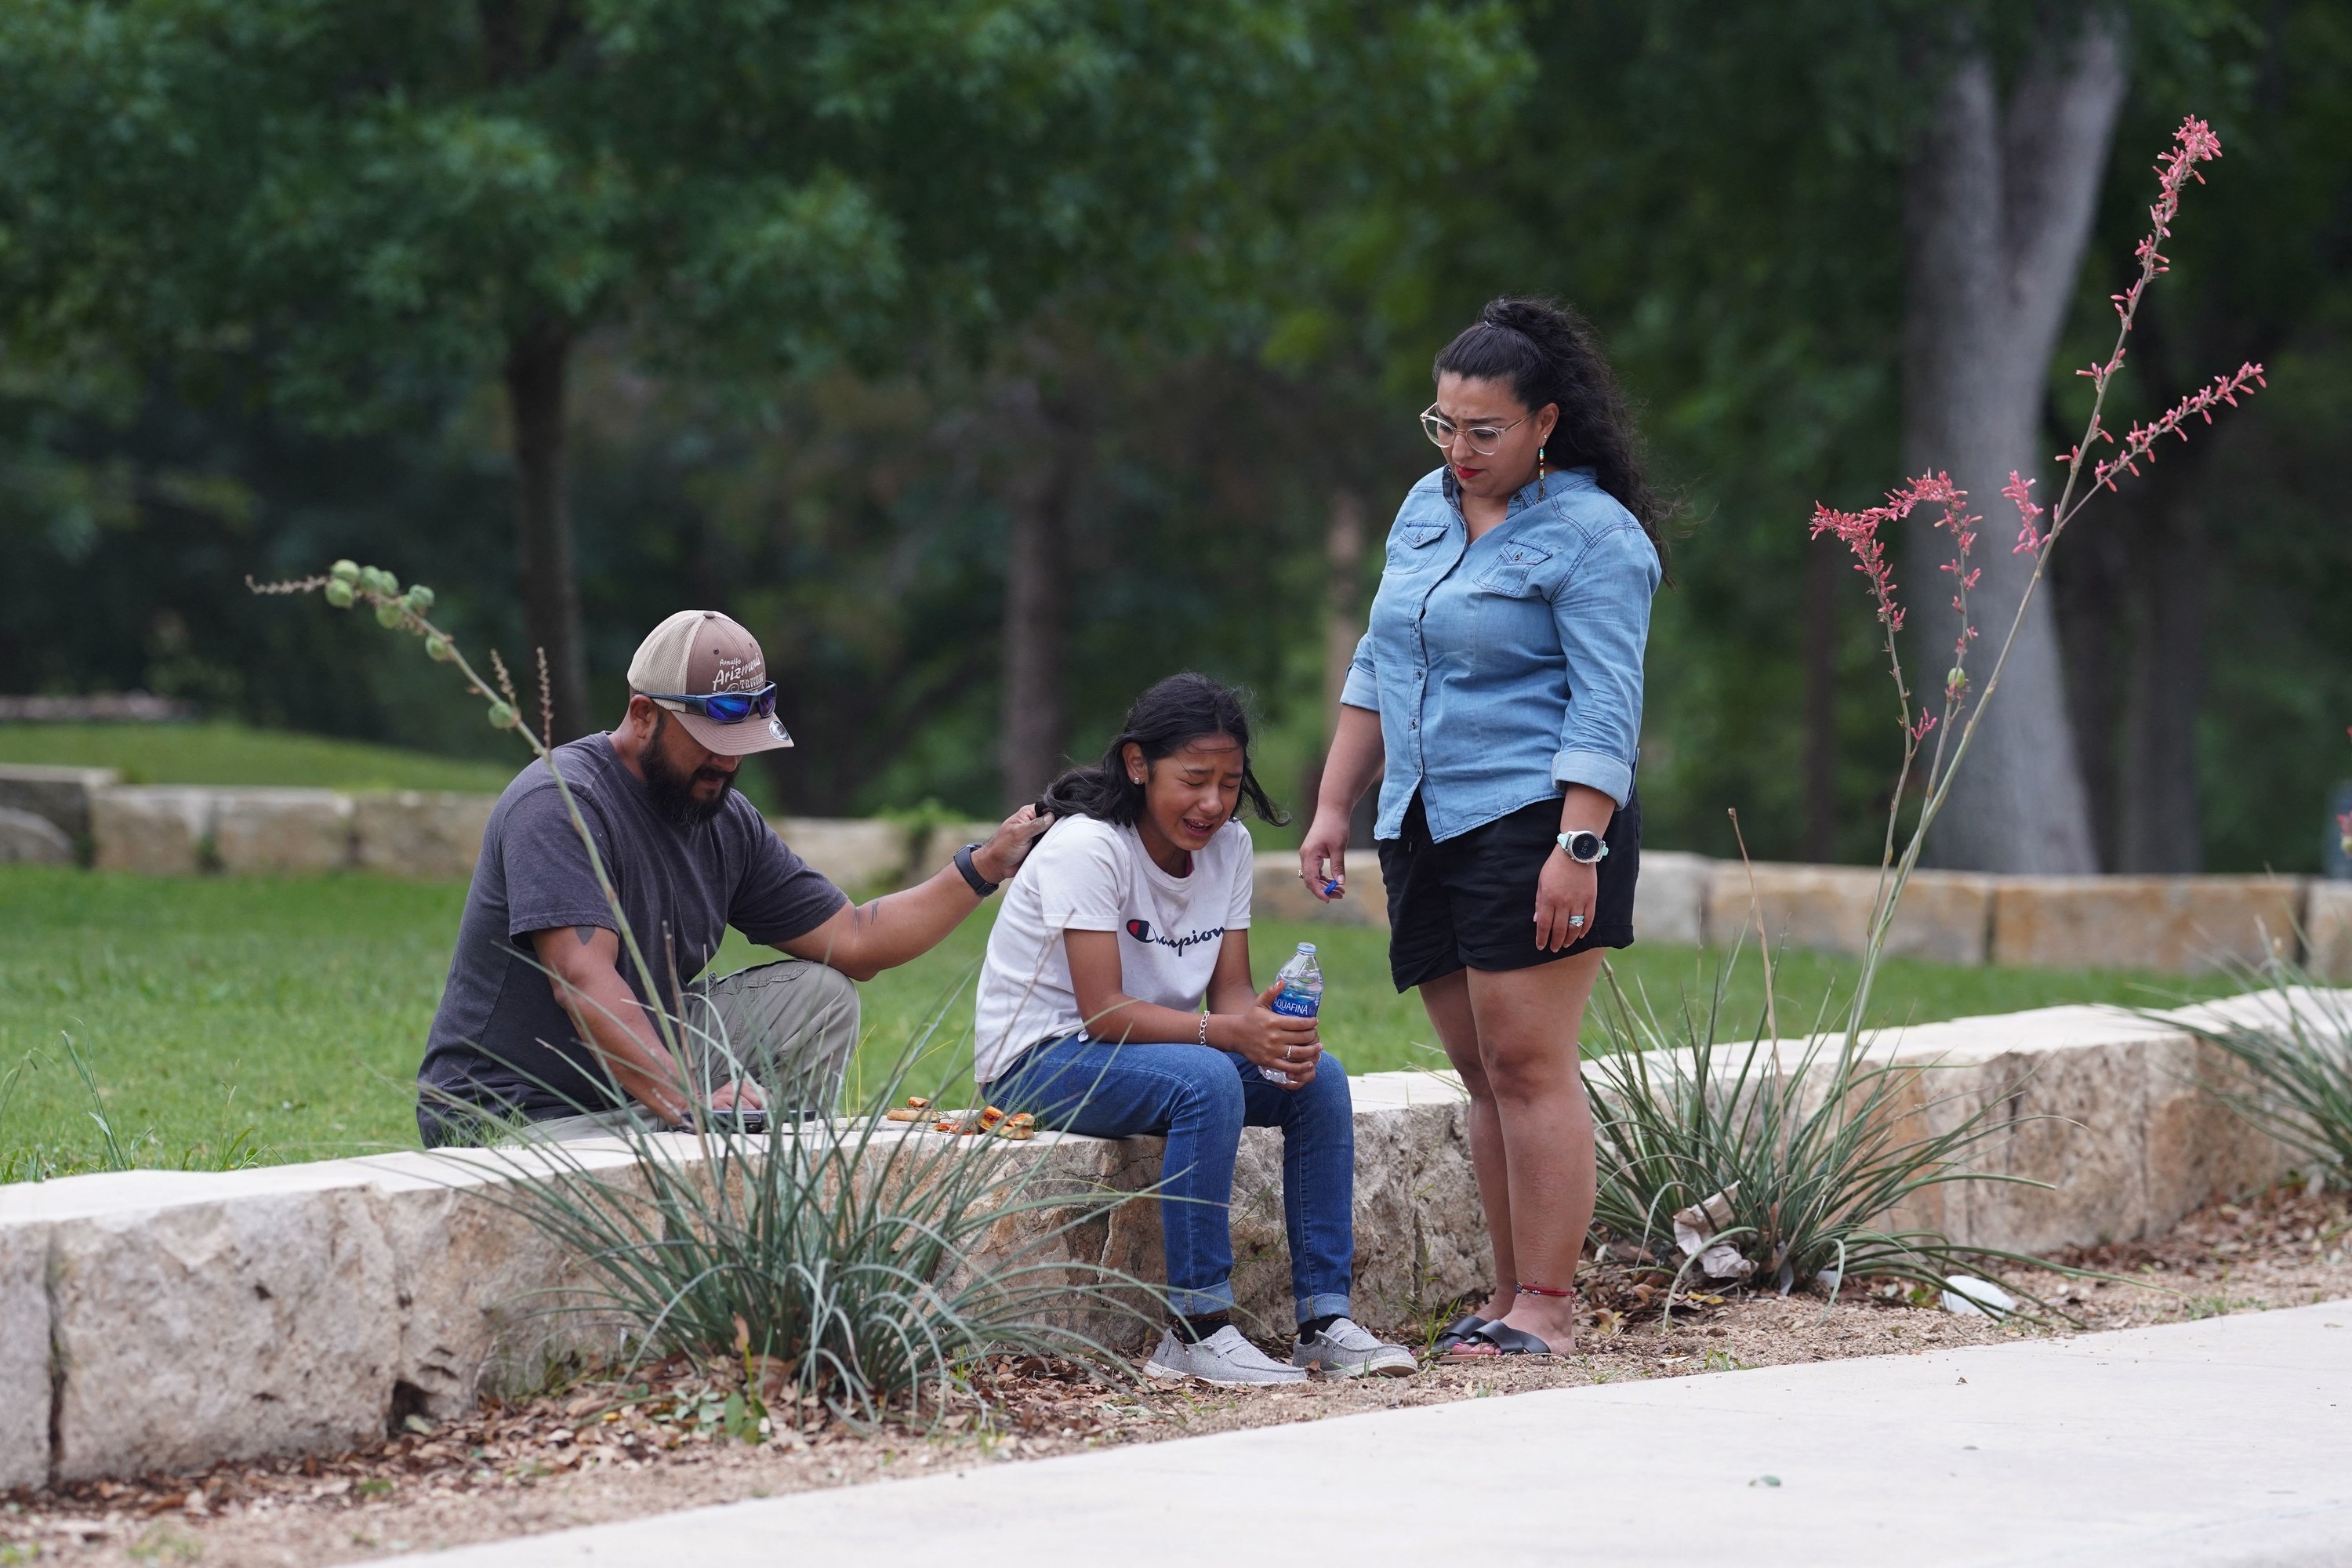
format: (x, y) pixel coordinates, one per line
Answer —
(1584, 846)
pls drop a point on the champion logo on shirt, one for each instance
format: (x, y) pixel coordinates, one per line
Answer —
(1141, 931)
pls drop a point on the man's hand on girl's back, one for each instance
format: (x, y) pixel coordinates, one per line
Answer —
(1010, 845)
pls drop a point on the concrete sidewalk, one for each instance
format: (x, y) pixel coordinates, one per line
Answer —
(2227, 1441)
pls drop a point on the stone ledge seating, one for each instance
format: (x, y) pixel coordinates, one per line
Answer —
(155, 1321)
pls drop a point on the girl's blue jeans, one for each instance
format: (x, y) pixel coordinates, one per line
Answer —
(1201, 1098)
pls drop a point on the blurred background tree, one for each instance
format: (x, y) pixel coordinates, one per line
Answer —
(992, 359)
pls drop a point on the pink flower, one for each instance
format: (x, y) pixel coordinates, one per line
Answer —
(2020, 491)
(2140, 441)
(1859, 530)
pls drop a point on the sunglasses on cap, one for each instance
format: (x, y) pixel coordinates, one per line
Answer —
(723, 707)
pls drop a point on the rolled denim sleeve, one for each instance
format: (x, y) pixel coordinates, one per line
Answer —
(1602, 610)
(1362, 688)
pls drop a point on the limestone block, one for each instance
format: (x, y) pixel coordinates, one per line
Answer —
(278, 832)
(2196, 1146)
(24, 1355)
(1670, 899)
(2177, 925)
(29, 841)
(1026, 1247)
(1943, 915)
(479, 1288)
(157, 830)
(852, 852)
(430, 835)
(2328, 931)
(259, 1322)
(1277, 894)
(2074, 1118)
(59, 795)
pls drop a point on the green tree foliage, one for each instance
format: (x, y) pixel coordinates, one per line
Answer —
(1236, 239)
(372, 196)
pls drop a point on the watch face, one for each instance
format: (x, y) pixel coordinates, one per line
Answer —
(1584, 845)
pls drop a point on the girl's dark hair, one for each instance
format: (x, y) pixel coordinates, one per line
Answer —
(1170, 712)
(1548, 353)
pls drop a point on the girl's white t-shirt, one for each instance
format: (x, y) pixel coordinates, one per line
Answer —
(1086, 875)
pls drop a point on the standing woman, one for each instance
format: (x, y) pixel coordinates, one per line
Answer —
(1497, 698)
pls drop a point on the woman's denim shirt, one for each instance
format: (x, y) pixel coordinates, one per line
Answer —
(1506, 667)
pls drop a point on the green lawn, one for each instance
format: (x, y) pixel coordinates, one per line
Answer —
(228, 753)
(220, 1016)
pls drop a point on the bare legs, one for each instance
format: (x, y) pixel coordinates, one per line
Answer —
(1512, 1036)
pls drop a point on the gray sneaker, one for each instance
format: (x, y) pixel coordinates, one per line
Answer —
(1348, 1349)
(1223, 1357)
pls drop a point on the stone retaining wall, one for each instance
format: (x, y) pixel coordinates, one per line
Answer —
(159, 1320)
(2173, 924)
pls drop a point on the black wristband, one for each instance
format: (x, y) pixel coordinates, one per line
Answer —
(963, 863)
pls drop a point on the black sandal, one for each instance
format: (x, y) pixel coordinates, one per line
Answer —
(1459, 1330)
(1510, 1341)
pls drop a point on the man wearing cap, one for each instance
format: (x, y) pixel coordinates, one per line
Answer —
(546, 1028)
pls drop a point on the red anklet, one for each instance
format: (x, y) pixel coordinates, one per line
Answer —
(1545, 1290)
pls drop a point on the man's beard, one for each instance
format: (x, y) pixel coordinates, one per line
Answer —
(673, 790)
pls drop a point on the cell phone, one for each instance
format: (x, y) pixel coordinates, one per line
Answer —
(746, 1119)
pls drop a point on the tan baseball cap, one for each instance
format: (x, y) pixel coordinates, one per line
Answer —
(701, 653)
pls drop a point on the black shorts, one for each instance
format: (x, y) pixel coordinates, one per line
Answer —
(1470, 902)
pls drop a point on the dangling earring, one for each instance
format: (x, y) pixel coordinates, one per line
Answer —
(1540, 475)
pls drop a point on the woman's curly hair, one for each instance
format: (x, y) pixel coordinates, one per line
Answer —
(1548, 353)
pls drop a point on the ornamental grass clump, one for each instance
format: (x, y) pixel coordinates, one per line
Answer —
(1775, 1165)
(2292, 1053)
(843, 1266)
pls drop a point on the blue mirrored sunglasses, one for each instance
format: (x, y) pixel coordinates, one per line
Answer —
(724, 706)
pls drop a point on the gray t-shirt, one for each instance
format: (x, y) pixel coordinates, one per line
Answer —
(501, 1041)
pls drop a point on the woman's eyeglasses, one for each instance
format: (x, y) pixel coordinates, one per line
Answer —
(1484, 439)
(723, 707)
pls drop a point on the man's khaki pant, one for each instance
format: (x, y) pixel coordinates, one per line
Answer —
(788, 1026)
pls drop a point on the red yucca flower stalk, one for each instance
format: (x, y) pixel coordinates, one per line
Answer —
(2037, 534)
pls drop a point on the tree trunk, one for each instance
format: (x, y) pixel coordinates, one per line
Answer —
(1999, 203)
(1823, 570)
(1038, 612)
(536, 362)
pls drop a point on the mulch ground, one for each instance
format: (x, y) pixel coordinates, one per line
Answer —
(605, 1450)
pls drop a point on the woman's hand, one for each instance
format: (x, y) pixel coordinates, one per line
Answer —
(997, 860)
(1323, 857)
(1276, 1042)
(1564, 890)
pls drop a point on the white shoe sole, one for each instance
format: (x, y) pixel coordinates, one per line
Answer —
(1157, 1368)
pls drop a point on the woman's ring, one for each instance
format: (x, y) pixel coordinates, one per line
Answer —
(1576, 920)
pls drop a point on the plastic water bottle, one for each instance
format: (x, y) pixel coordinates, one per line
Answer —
(1300, 996)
